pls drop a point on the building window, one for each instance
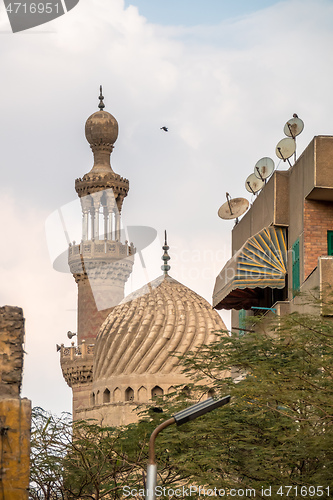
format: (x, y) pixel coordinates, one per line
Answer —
(156, 391)
(241, 322)
(329, 242)
(117, 394)
(186, 391)
(142, 394)
(296, 267)
(106, 396)
(129, 394)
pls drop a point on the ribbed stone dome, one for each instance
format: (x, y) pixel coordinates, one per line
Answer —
(146, 330)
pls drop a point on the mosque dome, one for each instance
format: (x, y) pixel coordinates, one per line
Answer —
(101, 127)
(146, 332)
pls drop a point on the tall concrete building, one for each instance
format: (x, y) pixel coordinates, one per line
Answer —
(127, 348)
(284, 243)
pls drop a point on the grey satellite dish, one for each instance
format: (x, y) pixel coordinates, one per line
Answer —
(264, 168)
(253, 184)
(233, 208)
(285, 149)
(293, 127)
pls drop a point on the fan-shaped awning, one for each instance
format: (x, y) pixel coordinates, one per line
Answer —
(260, 263)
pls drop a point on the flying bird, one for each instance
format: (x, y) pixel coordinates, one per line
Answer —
(164, 128)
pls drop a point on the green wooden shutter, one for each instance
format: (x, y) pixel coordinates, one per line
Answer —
(329, 242)
(296, 267)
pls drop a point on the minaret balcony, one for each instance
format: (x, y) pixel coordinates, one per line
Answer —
(77, 363)
(92, 253)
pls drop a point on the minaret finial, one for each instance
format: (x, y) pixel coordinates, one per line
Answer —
(165, 256)
(101, 97)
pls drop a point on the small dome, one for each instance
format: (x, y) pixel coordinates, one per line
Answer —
(101, 128)
(148, 329)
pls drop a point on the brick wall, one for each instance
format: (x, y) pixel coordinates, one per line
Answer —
(90, 318)
(318, 219)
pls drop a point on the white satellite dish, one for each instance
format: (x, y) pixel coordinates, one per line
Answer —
(264, 168)
(233, 208)
(253, 184)
(293, 127)
(285, 149)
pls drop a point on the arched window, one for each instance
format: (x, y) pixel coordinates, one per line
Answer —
(142, 393)
(117, 394)
(106, 396)
(92, 399)
(156, 391)
(186, 391)
(171, 389)
(129, 394)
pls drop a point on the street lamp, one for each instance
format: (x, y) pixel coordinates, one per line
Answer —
(179, 418)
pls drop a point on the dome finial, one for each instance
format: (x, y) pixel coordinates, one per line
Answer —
(101, 97)
(165, 256)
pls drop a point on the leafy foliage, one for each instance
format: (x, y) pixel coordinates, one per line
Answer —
(98, 464)
(277, 430)
(50, 439)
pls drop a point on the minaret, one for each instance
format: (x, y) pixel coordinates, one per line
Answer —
(102, 262)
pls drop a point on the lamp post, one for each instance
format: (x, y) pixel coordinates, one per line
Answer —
(179, 418)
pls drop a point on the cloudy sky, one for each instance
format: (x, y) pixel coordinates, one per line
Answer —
(223, 76)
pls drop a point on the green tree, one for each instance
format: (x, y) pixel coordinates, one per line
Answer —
(278, 428)
(100, 462)
(50, 439)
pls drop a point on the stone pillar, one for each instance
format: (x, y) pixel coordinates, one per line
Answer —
(117, 224)
(110, 208)
(96, 200)
(86, 205)
(15, 413)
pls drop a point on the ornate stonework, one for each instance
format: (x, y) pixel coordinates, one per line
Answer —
(137, 349)
(137, 340)
(93, 183)
(77, 363)
(102, 262)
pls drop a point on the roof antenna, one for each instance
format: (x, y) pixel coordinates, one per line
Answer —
(166, 256)
(101, 97)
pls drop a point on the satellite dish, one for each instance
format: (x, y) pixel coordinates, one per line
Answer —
(293, 127)
(264, 168)
(253, 184)
(233, 208)
(285, 148)
(70, 334)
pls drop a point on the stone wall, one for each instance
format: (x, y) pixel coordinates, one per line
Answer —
(15, 412)
(11, 350)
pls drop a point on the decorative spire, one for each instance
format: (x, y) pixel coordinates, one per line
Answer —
(165, 257)
(101, 97)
